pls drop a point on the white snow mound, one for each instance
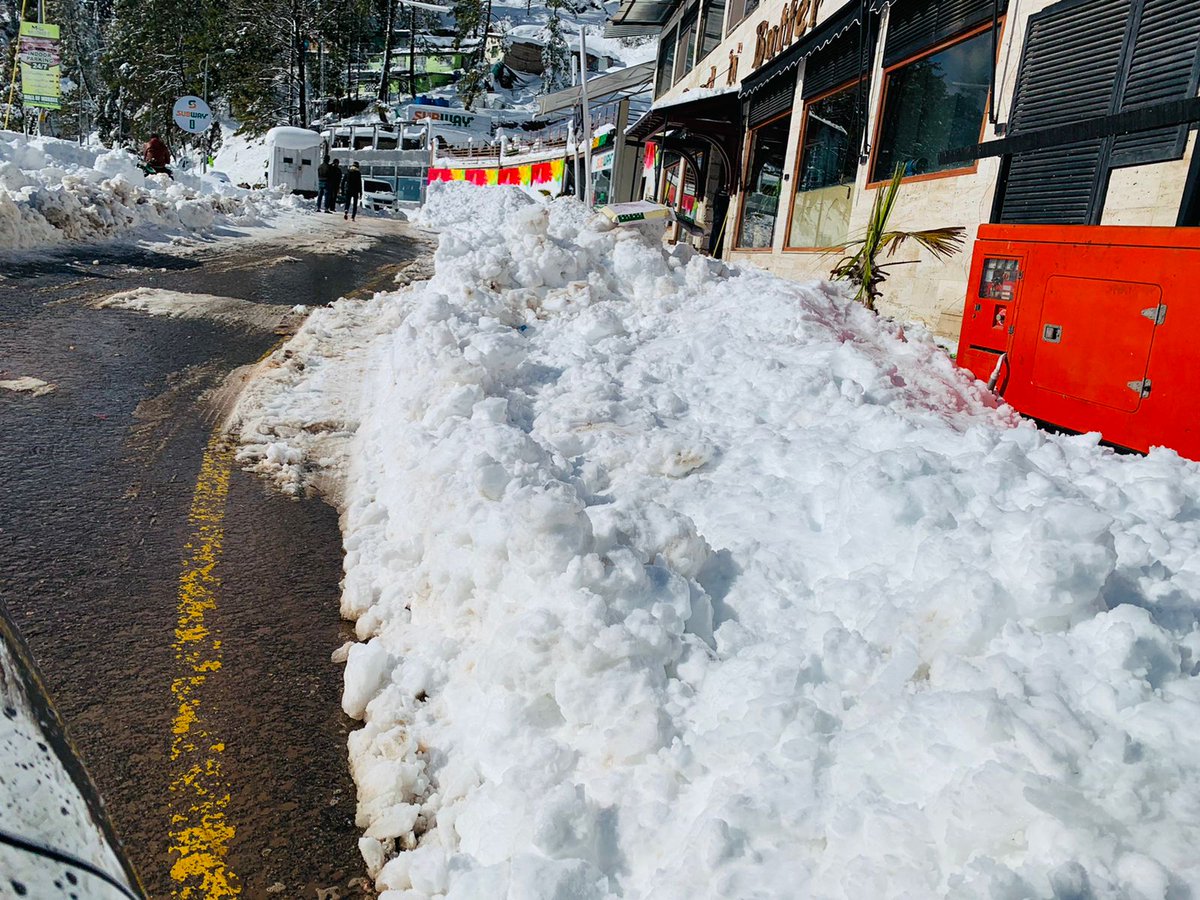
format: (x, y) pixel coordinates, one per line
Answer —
(683, 581)
(54, 192)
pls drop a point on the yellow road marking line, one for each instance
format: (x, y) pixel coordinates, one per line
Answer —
(199, 795)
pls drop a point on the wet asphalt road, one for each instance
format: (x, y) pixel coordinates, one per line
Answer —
(97, 481)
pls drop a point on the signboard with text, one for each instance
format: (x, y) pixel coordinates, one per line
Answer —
(192, 115)
(41, 66)
(449, 117)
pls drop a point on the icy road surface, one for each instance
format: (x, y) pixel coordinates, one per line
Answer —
(115, 496)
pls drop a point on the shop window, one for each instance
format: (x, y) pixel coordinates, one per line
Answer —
(680, 189)
(830, 142)
(737, 12)
(764, 176)
(931, 104)
(712, 25)
(666, 61)
(602, 169)
(685, 53)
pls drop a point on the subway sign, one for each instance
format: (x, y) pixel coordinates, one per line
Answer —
(772, 38)
(452, 118)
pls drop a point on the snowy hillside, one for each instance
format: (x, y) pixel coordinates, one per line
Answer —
(54, 192)
(681, 581)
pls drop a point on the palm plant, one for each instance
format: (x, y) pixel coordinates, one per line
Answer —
(863, 269)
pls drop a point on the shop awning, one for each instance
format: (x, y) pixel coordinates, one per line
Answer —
(715, 112)
(845, 18)
(625, 82)
(640, 17)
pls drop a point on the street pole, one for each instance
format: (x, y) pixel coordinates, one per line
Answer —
(587, 118)
(412, 52)
(203, 152)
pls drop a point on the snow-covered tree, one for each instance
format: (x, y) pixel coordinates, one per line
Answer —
(556, 56)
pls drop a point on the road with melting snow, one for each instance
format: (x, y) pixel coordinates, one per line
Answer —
(182, 613)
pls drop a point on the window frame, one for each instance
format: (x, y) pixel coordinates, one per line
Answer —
(741, 205)
(817, 98)
(886, 82)
(734, 19)
(669, 79)
(681, 67)
(705, 7)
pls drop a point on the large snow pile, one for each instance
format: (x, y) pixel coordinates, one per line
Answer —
(681, 581)
(54, 191)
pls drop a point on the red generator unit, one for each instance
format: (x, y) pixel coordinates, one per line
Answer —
(1090, 328)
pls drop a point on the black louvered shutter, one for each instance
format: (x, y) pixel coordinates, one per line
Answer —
(1069, 71)
(838, 63)
(916, 25)
(773, 99)
(1165, 66)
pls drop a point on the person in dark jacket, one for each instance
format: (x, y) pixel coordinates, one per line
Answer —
(322, 185)
(353, 191)
(156, 154)
(333, 183)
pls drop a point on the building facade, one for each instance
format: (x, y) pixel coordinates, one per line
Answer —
(777, 121)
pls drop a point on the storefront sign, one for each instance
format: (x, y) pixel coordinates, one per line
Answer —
(452, 118)
(41, 66)
(192, 115)
(770, 40)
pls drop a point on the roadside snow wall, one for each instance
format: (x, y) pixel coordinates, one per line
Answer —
(676, 581)
(54, 192)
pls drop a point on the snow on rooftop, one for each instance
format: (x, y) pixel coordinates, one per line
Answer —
(677, 580)
(293, 138)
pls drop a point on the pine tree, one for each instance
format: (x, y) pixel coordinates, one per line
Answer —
(389, 38)
(475, 23)
(556, 56)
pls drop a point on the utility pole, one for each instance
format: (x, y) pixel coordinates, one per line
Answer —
(412, 52)
(587, 118)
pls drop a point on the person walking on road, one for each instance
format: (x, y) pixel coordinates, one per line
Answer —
(323, 185)
(333, 183)
(353, 191)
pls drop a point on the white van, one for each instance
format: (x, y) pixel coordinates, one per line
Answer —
(293, 155)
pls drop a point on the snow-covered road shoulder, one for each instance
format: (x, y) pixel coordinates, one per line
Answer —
(55, 193)
(682, 581)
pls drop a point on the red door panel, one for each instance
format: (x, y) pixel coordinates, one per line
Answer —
(1093, 341)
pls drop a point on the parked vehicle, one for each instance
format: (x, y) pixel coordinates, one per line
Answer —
(293, 155)
(378, 195)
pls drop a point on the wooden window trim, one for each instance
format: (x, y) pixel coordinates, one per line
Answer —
(800, 153)
(742, 194)
(886, 82)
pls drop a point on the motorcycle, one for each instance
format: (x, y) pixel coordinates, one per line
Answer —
(149, 168)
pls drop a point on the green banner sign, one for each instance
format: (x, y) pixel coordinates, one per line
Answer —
(41, 66)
